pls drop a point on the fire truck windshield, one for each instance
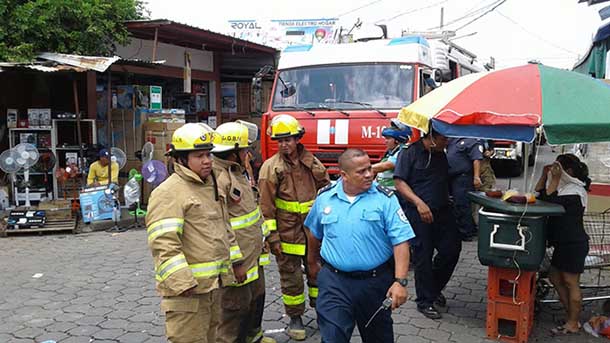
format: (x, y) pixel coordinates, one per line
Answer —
(346, 87)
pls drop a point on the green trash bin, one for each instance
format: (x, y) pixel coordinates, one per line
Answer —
(512, 235)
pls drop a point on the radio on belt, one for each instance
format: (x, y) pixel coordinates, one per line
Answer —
(26, 219)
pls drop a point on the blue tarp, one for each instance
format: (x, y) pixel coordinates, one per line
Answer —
(602, 33)
(499, 132)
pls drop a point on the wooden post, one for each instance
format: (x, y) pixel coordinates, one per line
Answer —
(154, 52)
(79, 136)
(109, 127)
(91, 95)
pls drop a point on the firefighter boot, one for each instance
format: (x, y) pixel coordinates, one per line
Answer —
(296, 329)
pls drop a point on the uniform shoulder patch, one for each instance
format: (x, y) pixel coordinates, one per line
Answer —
(325, 188)
(385, 190)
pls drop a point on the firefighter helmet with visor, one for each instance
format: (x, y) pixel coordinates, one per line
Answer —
(284, 125)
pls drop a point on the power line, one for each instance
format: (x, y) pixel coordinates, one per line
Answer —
(412, 11)
(481, 16)
(535, 34)
(471, 12)
(359, 8)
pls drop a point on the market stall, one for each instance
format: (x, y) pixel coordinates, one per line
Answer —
(512, 104)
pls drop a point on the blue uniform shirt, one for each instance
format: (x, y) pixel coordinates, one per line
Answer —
(460, 154)
(357, 236)
(426, 173)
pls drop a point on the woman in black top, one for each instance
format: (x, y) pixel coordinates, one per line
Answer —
(566, 182)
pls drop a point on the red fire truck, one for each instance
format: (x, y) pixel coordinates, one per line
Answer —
(344, 95)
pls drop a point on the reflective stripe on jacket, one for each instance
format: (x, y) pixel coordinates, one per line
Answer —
(244, 213)
(287, 191)
(189, 235)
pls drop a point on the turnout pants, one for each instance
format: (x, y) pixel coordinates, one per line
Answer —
(460, 185)
(293, 289)
(345, 300)
(242, 312)
(433, 271)
(192, 319)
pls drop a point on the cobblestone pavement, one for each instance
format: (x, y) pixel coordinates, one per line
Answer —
(99, 287)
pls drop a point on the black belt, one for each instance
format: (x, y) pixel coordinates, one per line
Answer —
(382, 268)
(469, 173)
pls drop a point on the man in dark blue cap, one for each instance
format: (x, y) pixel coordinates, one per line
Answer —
(422, 179)
(98, 171)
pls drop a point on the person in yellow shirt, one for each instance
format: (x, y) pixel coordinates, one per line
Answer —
(98, 171)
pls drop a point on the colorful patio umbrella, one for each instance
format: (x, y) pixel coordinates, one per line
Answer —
(511, 103)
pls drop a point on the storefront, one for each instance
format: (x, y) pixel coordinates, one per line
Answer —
(169, 74)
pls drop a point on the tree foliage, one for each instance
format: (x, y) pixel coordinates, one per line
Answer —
(83, 27)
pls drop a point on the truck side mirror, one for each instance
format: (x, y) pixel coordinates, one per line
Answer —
(437, 75)
(288, 91)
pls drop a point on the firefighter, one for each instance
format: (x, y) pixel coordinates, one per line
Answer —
(288, 182)
(191, 240)
(242, 304)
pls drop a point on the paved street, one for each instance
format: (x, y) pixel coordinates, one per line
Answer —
(99, 287)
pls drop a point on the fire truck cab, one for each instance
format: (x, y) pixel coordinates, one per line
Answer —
(344, 95)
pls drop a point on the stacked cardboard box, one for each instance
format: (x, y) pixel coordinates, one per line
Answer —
(127, 131)
(165, 115)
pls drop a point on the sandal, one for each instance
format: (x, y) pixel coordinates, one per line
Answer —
(562, 330)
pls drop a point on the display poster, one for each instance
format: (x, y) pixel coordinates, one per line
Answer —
(228, 94)
(155, 97)
(280, 33)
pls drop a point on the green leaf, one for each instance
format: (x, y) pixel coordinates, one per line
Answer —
(87, 27)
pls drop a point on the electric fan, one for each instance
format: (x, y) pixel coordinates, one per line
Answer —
(116, 156)
(147, 152)
(27, 156)
(8, 164)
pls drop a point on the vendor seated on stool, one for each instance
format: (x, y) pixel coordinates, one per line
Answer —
(98, 171)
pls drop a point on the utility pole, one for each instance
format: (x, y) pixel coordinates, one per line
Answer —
(442, 17)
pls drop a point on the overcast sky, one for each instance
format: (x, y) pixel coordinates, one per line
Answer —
(555, 32)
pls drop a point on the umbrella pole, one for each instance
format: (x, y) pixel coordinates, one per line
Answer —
(526, 156)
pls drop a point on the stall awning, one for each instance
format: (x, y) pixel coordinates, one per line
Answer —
(50, 62)
(171, 32)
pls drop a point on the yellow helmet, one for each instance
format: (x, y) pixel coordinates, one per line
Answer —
(193, 136)
(285, 125)
(235, 135)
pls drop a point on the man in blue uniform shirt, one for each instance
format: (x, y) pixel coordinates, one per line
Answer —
(464, 156)
(421, 177)
(364, 237)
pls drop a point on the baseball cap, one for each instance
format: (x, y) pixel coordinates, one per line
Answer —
(103, 153)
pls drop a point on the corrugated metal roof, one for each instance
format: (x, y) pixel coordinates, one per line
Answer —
(96, 63)
(181, 33)
(54, 62)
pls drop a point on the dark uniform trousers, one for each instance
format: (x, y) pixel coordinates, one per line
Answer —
(460, 185)
(433, 272)
(345, 299)
(242, 312)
